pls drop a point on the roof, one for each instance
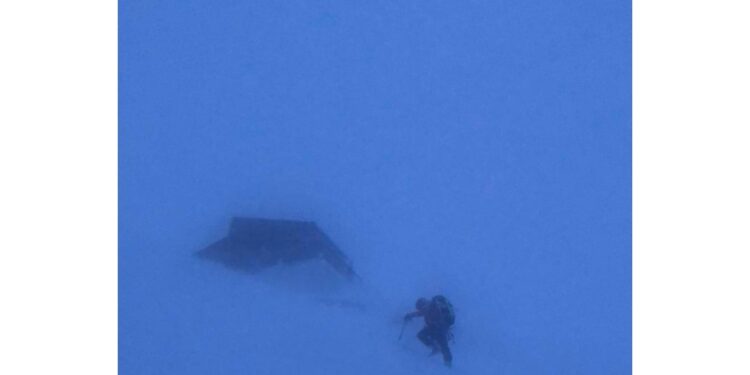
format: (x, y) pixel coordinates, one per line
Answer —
(253, 244)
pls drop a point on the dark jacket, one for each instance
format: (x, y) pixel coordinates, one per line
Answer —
(431, 314)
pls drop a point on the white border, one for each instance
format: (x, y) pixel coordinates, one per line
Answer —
(690, 187)
(58, 195)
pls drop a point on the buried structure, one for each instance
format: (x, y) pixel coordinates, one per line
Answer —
(254, 244)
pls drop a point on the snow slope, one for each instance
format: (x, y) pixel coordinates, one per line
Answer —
(219, 321)
(180, 314)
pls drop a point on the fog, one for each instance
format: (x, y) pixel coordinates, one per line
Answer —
(476, 149)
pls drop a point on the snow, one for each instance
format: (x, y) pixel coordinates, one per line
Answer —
(219, 321)
(181, 314)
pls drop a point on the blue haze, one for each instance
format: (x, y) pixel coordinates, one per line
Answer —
(480, 149)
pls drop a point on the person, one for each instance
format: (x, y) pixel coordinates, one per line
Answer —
(438, 318)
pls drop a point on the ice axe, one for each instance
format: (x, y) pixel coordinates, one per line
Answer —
(402, 329)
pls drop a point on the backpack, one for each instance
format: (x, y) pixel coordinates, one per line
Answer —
(445, 308)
